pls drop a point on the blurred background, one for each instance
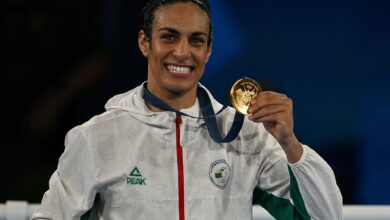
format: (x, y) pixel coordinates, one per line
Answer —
(62, 60)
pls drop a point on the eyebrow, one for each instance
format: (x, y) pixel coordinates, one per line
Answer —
(174, 31)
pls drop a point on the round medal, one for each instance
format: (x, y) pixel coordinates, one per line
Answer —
(242, 92)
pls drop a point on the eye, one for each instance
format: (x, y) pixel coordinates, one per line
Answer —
(168, 37)
(197, 40)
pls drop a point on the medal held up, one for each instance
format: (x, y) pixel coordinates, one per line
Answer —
(242, 92)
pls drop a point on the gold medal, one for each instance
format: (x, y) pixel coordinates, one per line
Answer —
(242, 92)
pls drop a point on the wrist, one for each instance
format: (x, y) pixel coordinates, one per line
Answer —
(293, 150)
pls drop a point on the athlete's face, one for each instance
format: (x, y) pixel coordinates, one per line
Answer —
(178, 49)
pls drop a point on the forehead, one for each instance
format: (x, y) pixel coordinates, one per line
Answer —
(183, 17)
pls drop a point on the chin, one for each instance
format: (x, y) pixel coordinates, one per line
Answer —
(180, 87)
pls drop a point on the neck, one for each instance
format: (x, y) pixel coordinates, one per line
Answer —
(174, 100)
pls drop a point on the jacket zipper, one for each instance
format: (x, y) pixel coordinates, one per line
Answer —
(180, 172)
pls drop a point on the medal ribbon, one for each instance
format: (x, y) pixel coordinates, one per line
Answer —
(207, 111)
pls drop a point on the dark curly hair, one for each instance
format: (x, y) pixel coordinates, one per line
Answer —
(153, 5)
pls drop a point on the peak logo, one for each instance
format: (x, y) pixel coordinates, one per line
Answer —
(135, 177)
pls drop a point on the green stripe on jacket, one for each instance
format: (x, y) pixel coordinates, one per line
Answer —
(280, 208)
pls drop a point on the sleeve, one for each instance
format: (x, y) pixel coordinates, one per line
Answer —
(300, 191)
(72, 187)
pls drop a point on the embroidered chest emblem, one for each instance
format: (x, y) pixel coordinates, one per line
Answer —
(219, 173)
(136, 178)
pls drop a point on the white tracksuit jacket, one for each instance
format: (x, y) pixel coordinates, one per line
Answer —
(132, 163)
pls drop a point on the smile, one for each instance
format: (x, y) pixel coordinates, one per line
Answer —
(179, 69)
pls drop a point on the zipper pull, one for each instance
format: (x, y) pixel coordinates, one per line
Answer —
(178, 119)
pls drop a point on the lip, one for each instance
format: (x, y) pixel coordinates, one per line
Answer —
(179, 74)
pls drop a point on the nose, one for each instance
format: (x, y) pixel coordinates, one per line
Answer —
(182, 49)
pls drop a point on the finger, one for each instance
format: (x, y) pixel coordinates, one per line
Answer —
(268, 95)
(260, 103)
(274, 118)
(267, 110)
(265, 119)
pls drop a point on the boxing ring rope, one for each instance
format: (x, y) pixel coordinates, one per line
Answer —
(21, 210)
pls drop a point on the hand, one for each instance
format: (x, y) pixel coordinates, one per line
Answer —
(275, 111)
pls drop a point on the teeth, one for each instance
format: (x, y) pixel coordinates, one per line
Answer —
(178, 69)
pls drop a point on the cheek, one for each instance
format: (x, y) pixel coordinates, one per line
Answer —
(154, 58)
(158, 55)
(201, 58)
(205, 55)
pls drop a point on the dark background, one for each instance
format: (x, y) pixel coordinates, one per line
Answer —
(62, 60)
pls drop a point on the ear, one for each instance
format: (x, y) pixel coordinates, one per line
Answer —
(143, 43)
